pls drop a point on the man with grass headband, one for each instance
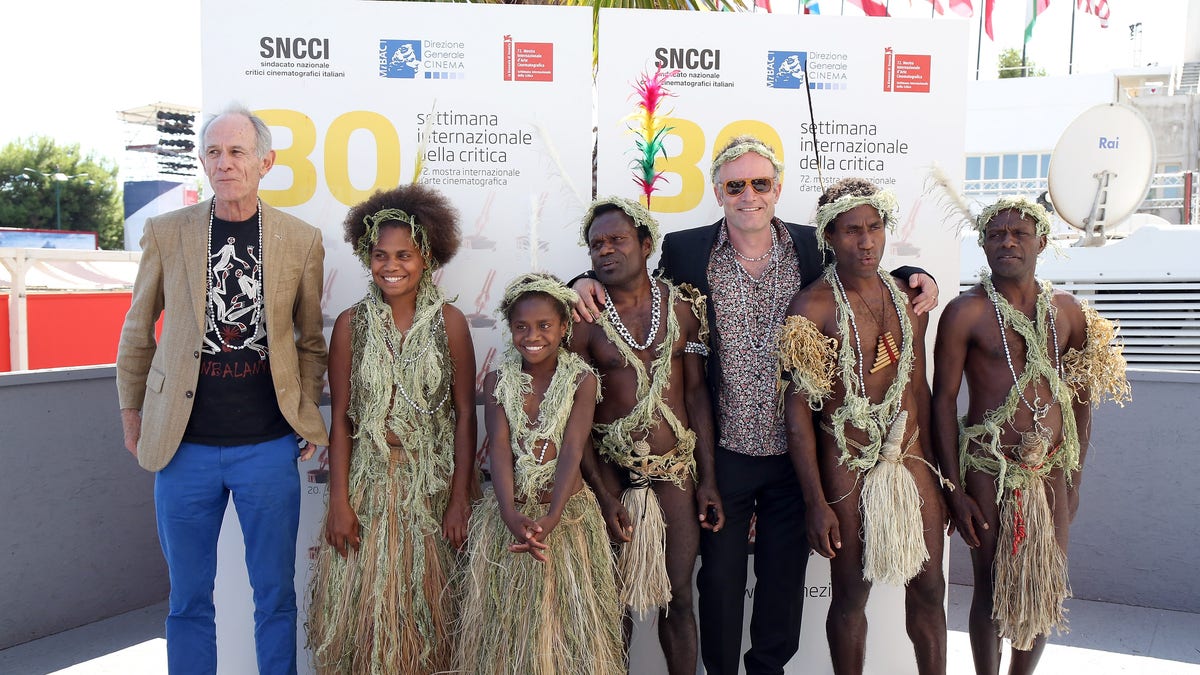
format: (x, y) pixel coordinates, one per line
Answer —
(853, 350)
(1034, 359)
(749, 264)
(653, 426)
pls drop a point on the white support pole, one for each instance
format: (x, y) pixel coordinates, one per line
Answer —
(18, 319)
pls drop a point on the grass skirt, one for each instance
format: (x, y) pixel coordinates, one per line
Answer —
(523, 616)
(894, 549)
(386, 608)
(642, 562)
(1030, 571)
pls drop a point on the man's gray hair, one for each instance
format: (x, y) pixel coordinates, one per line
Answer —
(262, 132)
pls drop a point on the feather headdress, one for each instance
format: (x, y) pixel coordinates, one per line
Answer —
(958, 212)
(955, 209)
(649, 128)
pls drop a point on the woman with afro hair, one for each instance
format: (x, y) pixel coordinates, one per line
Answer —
(401, 381)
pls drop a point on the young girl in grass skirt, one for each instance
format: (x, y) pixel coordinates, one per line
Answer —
(540, 593)
(401, 380)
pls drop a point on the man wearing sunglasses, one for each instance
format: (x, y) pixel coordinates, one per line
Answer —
(749, 264)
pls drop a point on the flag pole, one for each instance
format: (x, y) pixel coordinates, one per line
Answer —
(1025, 45)
(979, 43)
(1071, 52)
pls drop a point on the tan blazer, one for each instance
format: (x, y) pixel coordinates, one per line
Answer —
(160, 378)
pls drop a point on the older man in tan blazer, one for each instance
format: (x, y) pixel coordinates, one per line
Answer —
(225, 400)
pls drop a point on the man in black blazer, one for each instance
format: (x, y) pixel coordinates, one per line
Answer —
(749, 264)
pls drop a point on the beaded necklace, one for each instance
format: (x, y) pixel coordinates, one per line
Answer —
(980, 446)
(770, 252)
(886, 351)
(616, 440)
(530, 440)
(842, 298)
(655, 317)
(413, 478)
(1038, 440)
(769, 312)
(400, 360)
(256, 274)
(1050, 320)
(857, 410)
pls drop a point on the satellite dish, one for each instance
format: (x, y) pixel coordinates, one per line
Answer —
(1101, 168)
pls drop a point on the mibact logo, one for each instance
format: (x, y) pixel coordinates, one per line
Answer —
(785, 70)
(399, 58)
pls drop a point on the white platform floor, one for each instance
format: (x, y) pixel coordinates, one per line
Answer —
(1105, 639)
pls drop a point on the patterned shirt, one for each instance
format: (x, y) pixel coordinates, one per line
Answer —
(749, 313)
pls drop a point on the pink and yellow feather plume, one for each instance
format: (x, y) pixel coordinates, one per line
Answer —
(649, 128)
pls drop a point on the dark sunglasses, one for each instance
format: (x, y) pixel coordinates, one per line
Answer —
(737, 186)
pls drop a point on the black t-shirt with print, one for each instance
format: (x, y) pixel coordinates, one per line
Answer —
(235, 400)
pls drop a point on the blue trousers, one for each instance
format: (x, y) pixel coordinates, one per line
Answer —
(190, 496)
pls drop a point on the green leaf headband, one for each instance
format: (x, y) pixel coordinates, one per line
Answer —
(884, 201)
(539, 283)
(371, 237)
(734, 151)
(634, 209)
(1024, 206)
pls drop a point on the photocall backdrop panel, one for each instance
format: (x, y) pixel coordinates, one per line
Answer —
(349, 90)
(498, 100)
(888, 100)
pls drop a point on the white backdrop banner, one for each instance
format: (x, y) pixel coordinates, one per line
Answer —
(888, 100)
(499, 101)
(349, 89)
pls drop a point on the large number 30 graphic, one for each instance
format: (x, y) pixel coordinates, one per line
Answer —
(689, 166)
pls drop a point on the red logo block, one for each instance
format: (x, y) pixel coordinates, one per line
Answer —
(906, 72)
(528, 61)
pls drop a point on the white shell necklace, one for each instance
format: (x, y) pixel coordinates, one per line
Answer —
(655, 318)
(256, 273)
(1038, 411)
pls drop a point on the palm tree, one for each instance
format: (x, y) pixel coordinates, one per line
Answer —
(597, 5)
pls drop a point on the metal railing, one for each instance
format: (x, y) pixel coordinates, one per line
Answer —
(989, 189)
(17, 261)
(1167, 191)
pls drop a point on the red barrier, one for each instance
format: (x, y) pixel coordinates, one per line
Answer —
(68, 329)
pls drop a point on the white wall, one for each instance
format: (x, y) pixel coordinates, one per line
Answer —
(1028, 114)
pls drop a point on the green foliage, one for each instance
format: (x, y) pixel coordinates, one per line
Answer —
(90, 202)
(1009, 65)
